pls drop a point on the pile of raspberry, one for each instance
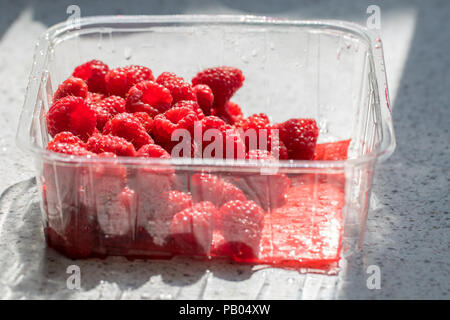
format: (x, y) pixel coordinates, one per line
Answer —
(126, 111)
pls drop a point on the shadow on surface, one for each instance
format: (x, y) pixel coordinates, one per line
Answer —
(32, 270)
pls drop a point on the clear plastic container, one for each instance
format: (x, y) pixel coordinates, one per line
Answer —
(329, 70)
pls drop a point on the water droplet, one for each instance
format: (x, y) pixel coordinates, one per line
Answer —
(244, 59)
(254, 53)
(290, 280)
(127, 53)
(271, 46)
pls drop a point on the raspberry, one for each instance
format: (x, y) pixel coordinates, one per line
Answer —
(192, 228)
(153, 151)
(71, 114)
(259, 134)
(145, 120)
(299, 137)
(179, 89)
(107, 143)
(127, 126)
(68, 148)
(120, 80)
(257, 154)
(223, 81)
(241, 224)
(93, 73)
(230, 113)
(69, 138)
(232, 146)
(255, 121)
(205, 97)
(115, 216)
(107, 108)
(164, 125)
(93, 97)
(268, 190)
(160, 211)
(71, 87)
(207, 187)
(193, 105)
(150, 97)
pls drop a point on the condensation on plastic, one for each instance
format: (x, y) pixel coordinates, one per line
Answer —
(330, 70)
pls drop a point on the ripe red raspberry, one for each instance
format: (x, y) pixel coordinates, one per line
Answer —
(120, 80)
(107, 143)
(127, 126)
(230, 113)
(259, 134)
(71, 114)
(267, 188)
(153, 151)
(223, 81)
(257, 154)
(205, 97)
(115, 216)
(232, 146)
(150, 97)
(207, 187)
(71, 87)
(192, 229)
(145, 119)
(69, 138)
(300, 137)
(164, 125)
(179, 89)
(160, 211)
(68, 148)
(241, 224)
(212, 127)
(93, 97)
(107, 108)
(93, 73)
(193, 105)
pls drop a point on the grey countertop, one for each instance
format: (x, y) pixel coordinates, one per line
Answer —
(408, 228)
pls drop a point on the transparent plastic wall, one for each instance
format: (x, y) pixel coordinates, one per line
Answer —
(327, 71)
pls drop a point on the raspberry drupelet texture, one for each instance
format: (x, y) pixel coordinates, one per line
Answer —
(127, 126)
(71, 114)
(93, 73)
(164, 125)
(241, 224)
(149, 97)
(179, 89)
(230, 113)
(205, 97)
(192, 228)
(145, 120)
(224, 82)
(120, 80)
(153, 151)
(71, 87)
(107, 108)
(300, 137)
(208, 187)
(99, 143)
(69, 138)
